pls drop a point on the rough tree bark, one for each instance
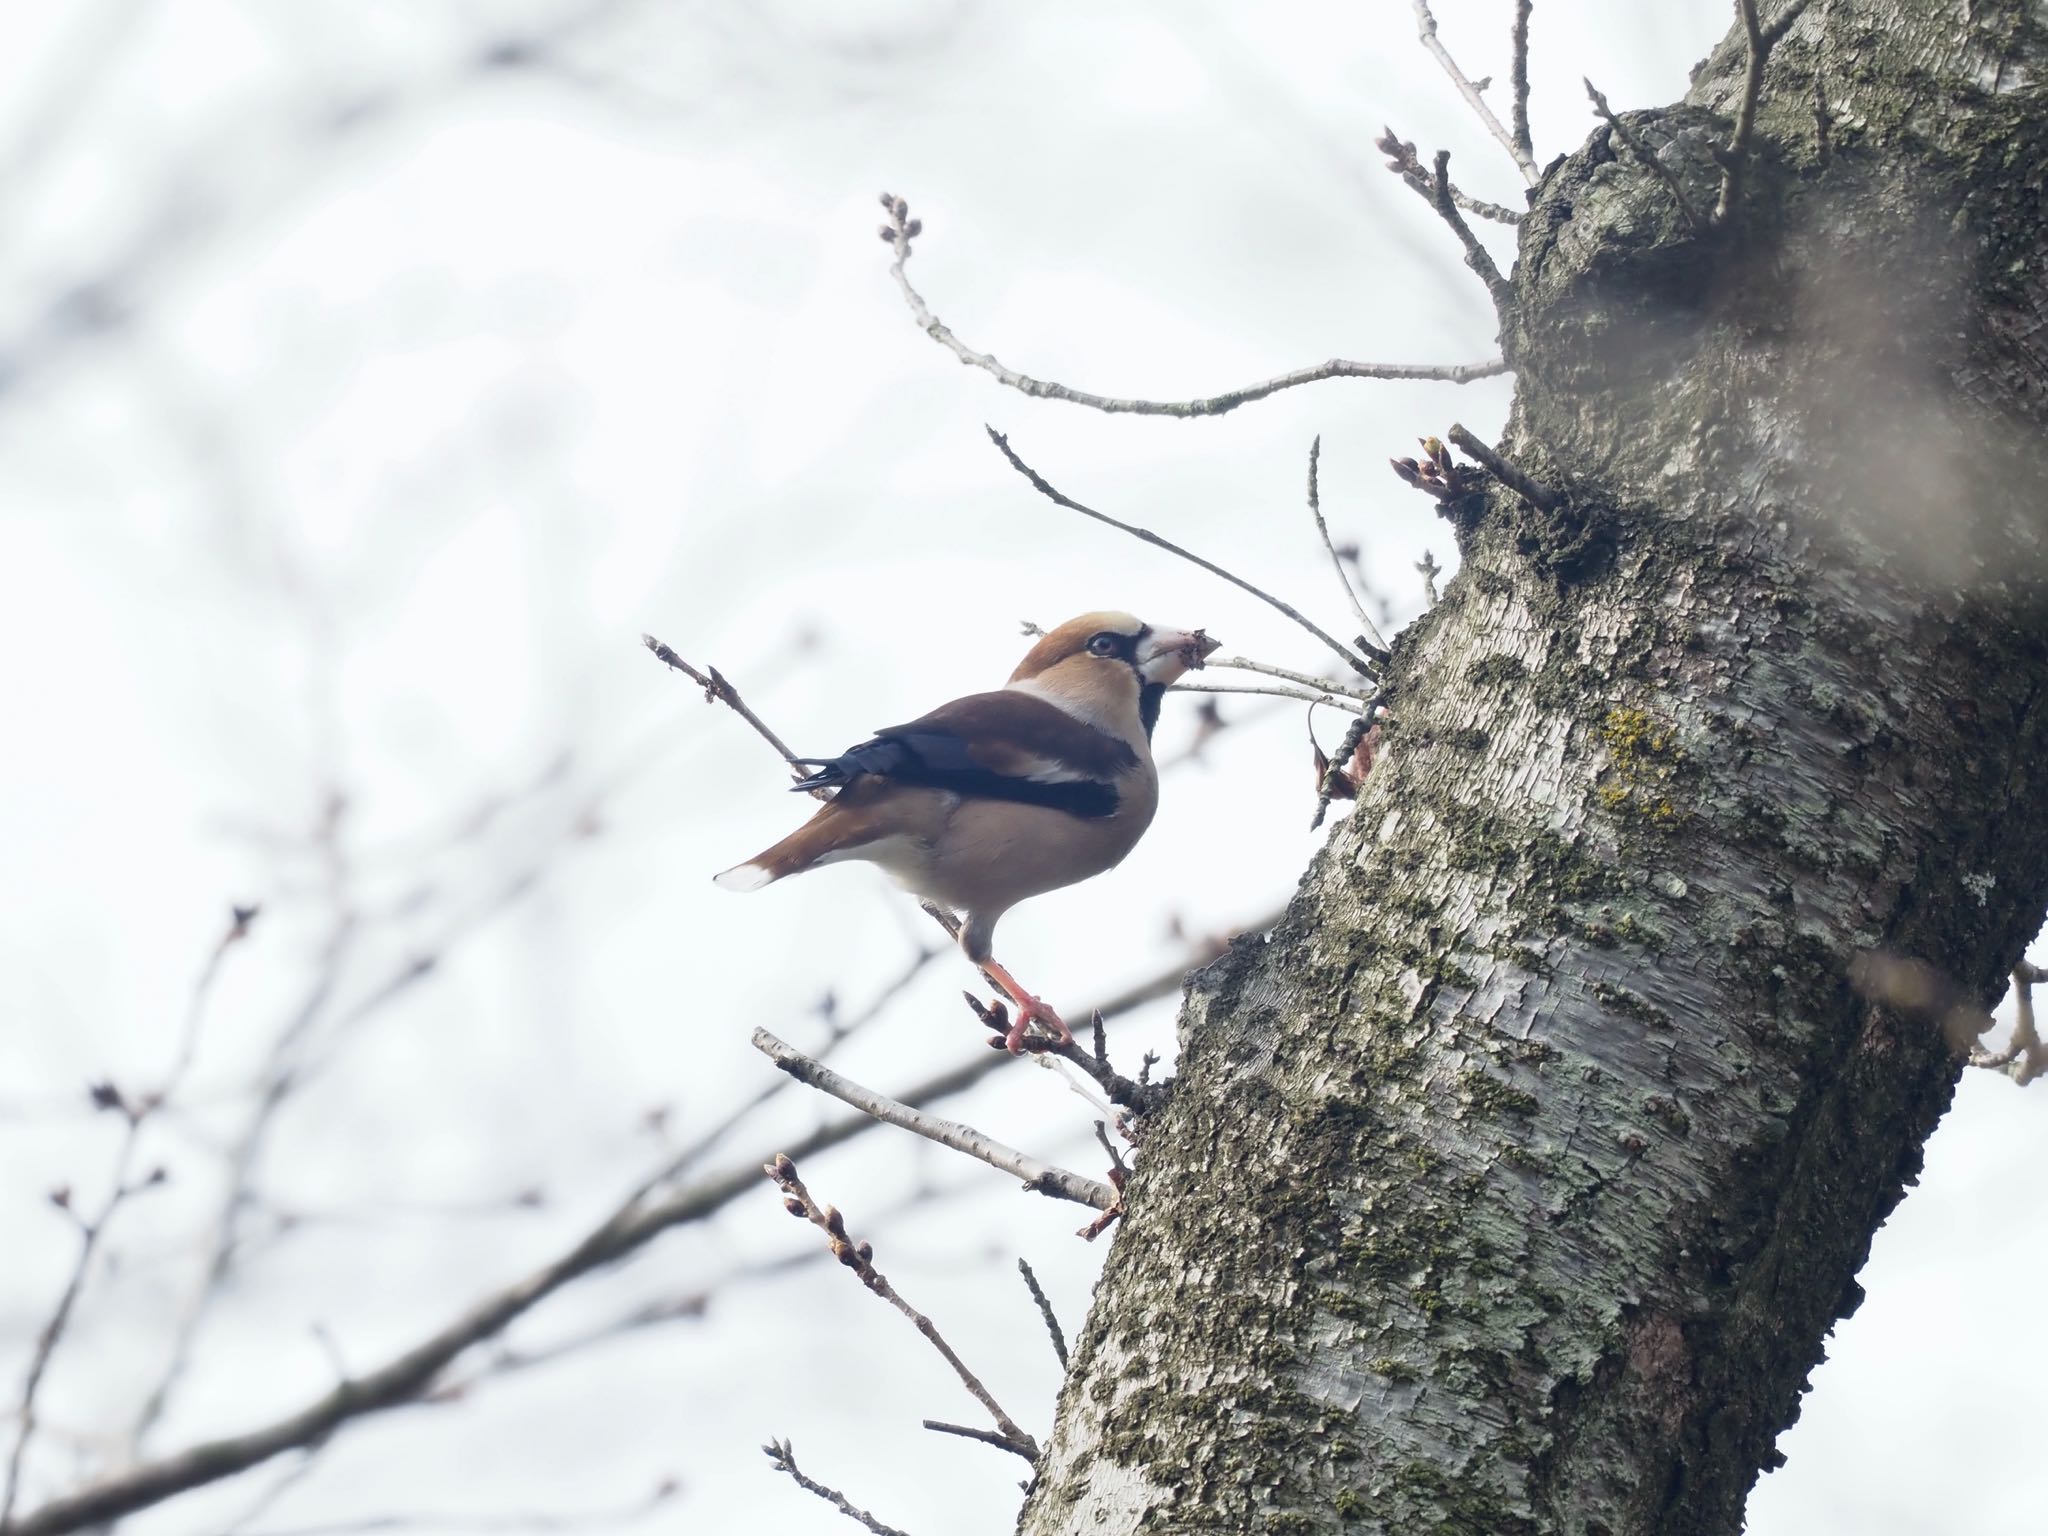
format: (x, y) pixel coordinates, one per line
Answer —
(1511, 1183)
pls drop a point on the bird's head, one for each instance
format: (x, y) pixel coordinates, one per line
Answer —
(1110, 667)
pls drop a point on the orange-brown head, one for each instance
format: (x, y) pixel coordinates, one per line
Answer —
(1110, 668)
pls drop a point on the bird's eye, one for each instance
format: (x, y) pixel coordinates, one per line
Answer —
(1104, 644)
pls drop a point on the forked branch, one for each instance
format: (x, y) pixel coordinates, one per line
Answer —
(1759, 40)
(1516, 144)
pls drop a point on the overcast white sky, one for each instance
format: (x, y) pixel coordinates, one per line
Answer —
(359, 408)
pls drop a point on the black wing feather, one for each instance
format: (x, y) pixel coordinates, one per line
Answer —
(939, 760)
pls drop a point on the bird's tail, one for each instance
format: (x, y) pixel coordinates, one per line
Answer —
(834, 831)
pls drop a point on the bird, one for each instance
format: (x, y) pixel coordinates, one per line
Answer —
(998, 797)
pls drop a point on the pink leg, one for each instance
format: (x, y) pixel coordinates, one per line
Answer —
(1029, 1010)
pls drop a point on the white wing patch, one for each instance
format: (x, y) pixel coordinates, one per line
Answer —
(742, 877)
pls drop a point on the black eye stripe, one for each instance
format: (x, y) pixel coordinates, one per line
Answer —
(1109, 643)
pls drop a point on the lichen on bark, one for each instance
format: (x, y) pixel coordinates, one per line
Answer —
(1511, 1183)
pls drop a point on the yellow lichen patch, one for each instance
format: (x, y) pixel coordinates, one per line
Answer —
(1643, 762)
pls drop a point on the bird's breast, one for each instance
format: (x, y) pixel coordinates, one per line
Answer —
(991, 854)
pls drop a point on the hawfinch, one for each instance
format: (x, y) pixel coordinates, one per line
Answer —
(1001, 796)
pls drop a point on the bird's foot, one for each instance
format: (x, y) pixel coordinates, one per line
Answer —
(1032, 1010)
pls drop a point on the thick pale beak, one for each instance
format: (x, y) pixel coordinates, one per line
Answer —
(1167, 653)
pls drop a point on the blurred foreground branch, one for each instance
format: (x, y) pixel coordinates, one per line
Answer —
(410, 1376)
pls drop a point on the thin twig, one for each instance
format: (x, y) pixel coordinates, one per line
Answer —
(1418, 182)
(1759, 41)
(1530, 489)
(860, 1258)
(1285, 674)
(90, 1231)
(967, 1432)
(1207, 405)
(282, 1073)
(1315, 507)
(1038, 1176)
(1350, 658)
(1477, 257)
(1052, 1323)
(136, 1111)
(1518, 77)
(1403, 162)
(784, 1460)
(1344, 701)
(718, 691)
(1425, 28)
(1646, 155)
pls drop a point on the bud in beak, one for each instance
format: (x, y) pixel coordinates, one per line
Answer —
(1167, 653)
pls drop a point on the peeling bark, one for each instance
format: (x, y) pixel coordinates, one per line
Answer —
(1511, 1183)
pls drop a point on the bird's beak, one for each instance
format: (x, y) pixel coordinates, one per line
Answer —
(1167, 653)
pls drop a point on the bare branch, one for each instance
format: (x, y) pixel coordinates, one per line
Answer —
(1208, 405)
(1530, 489)
(860, 1258)
(1285, 674)
(1052, 1322)
(1038, 1176)
(409, 1376)
(1350, 658)
(90, 1231)
(784, 1460)
(1518, 77)
(1315, 507)
(1344, 701)
(967, 1432)
(1761, 40)
(136, 1111)
(1403, 162)
(1648, 157)
(718, 691)
(1516, 146)
(1477, 257)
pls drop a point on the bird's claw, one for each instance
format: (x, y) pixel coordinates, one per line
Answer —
(1032, 1010)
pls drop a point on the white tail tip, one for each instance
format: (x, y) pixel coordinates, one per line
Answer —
(743, 877)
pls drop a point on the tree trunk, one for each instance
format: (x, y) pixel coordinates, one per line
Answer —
(1511, 1183)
